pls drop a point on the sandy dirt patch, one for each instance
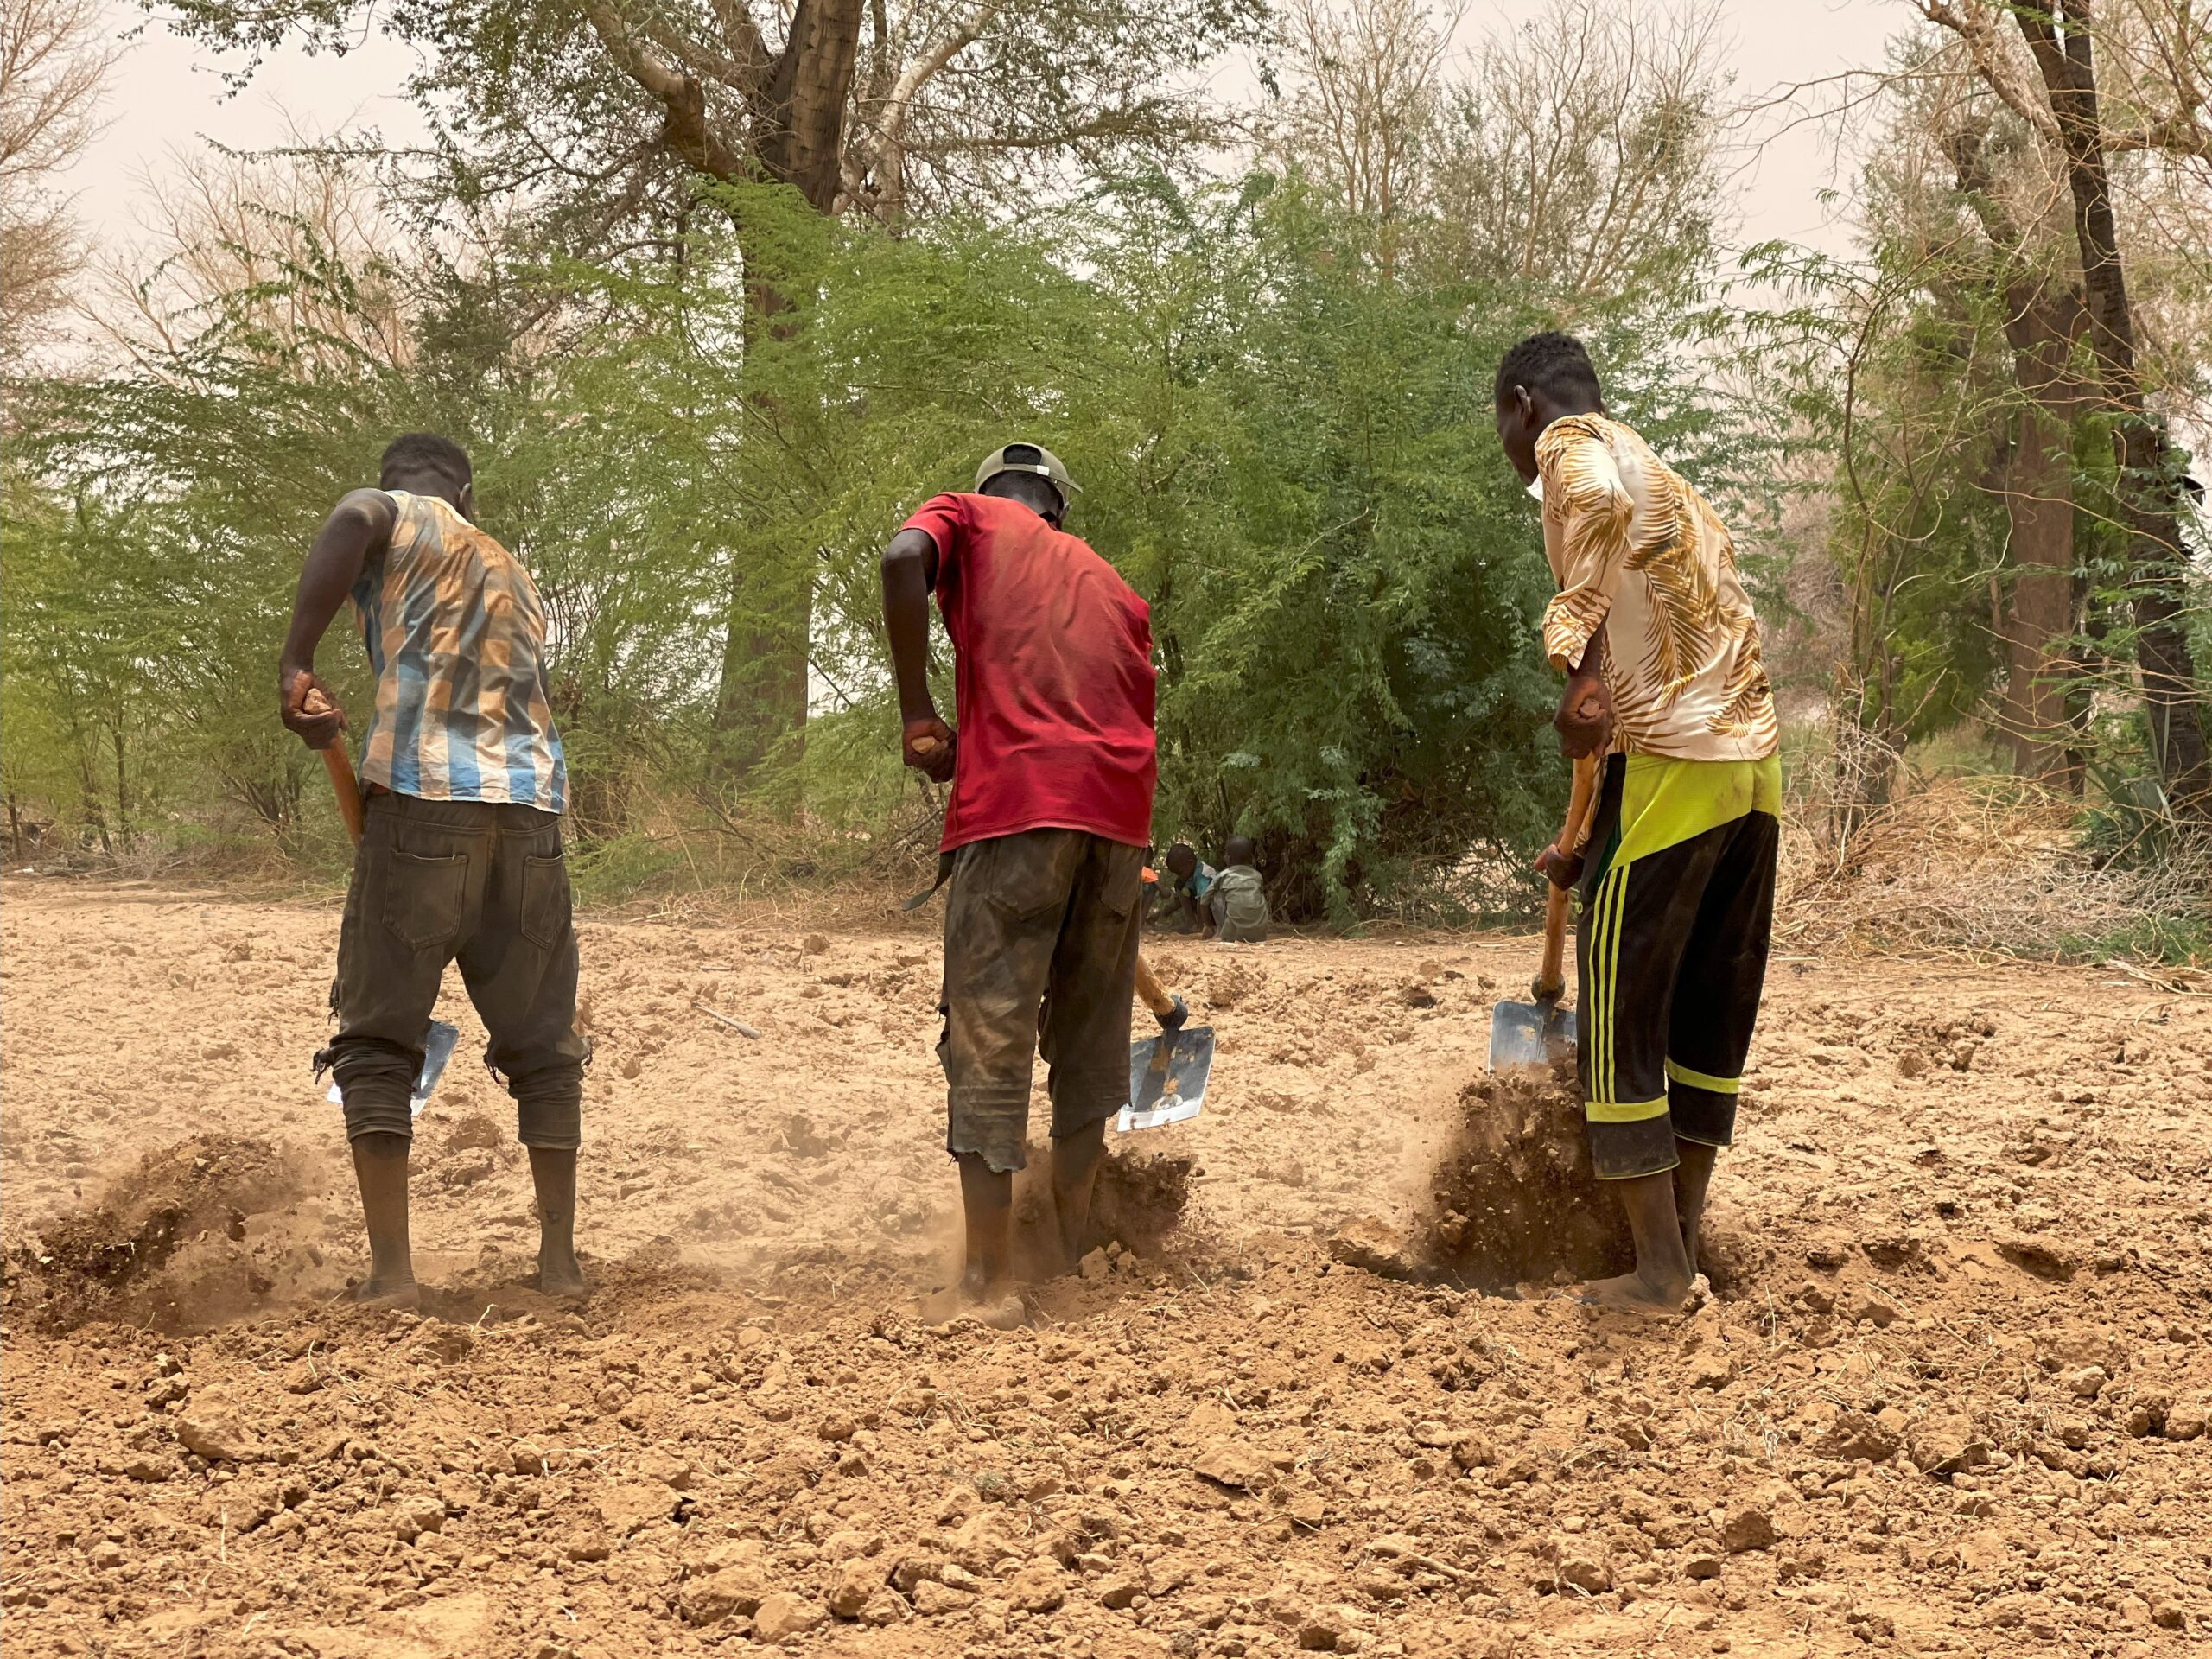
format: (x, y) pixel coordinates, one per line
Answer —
(1952, 1397)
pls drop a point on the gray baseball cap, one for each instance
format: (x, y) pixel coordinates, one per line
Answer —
(1026, 458)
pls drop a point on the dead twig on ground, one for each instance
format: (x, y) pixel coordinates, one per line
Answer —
(737, 1025)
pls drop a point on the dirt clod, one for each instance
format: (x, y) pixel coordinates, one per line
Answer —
(220, 1438)
(1514, 1197)
(1137, 1204)
(786, 1617)
(1746, 1530)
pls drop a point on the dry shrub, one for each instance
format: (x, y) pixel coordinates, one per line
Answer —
(1972, 864)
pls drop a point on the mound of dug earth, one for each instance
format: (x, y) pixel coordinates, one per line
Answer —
(1513, 1199)
(1138, 1201)
(168, 1242)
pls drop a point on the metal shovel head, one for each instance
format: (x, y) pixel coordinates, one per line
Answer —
(1167, 1078)
(1529, 1034)
(438, 1045)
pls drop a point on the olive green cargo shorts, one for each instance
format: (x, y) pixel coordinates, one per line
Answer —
(483, 883)
(1041, 954)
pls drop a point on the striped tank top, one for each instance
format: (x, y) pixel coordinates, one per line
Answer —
(456, 635)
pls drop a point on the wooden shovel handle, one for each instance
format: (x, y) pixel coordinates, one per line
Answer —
(1150, 992)
(1551, 977)
(339, 765)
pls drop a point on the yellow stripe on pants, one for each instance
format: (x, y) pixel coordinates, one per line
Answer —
(1617, 880)
(1602, 994)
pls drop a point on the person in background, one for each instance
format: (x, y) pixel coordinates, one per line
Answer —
(1185, 903)
(1236, 902)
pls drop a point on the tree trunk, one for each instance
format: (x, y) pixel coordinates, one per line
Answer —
(122, 790)
(802, 140)
(762, 693)
(93, 808)
(2040, 501)
(798, 106)
(2149, 485)
(2044, 697)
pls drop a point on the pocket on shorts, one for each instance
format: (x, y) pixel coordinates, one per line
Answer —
(1124, 880)
(1027, 877)
(423, 897)
(545, 898)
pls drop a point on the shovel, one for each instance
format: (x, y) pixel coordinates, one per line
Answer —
(1167, 1073)
(437, 1042)
(1532, 1033)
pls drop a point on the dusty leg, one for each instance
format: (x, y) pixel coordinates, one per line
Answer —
(1085, 1032)
(1661, 1278)
(380, 1167)
(985, 1289)
(553, 1171)
(1075, 1171)
(1692, 1177)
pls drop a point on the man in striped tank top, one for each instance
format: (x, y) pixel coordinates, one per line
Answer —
(462, 857)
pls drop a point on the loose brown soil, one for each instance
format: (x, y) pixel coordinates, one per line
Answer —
(184, 1238)
(1515, 1201)
(1951, 1396)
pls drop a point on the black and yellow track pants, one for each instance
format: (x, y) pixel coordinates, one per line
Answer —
(1672, 950)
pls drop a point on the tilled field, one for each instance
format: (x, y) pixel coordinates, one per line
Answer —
(1952, 1396)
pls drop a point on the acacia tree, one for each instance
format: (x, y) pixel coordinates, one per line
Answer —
(1363, 114)
(1579, 158)
(856, 103)
(2045, 69)
(54, 55)
(295, 248)
(2037, 283)
(599, 114)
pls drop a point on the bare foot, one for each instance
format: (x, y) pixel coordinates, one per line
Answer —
(393, 1292)
(1000, 1307)
(561, 1276)
(1630, 1293)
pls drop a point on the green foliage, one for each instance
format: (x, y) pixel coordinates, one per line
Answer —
(1346, 575)
(1285, 442)
(2176, 940)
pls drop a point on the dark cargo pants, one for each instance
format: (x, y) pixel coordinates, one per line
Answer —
(1040, 952)
(483, 882)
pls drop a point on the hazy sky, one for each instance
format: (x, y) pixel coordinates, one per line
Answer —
(166, 95)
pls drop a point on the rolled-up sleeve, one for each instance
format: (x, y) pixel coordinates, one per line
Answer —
(1583, 487)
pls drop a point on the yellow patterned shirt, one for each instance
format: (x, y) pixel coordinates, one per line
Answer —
(1635, 547)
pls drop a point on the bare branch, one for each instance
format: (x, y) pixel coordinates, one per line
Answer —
(1994, 58)
(687, 130)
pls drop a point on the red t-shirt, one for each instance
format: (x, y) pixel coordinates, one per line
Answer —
(1051, 656)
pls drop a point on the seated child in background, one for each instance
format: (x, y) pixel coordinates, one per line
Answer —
(1186, 901)
(1236, 899)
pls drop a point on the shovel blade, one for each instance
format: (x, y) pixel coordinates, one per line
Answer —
(437, 1049)
(1529, 1034)
(1167, 1078)
(438, 1045)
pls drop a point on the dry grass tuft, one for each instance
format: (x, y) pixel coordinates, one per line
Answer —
(1977, 865)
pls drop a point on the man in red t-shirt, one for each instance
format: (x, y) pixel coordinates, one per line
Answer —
(1052, 771)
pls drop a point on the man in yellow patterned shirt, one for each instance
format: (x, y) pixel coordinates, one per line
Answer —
(1661, 648)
